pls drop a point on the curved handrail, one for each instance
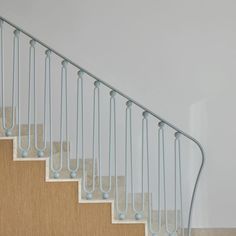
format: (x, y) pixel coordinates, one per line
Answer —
(134, 102)
(195, 186)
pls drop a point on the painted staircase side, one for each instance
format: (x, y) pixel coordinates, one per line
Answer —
(65, 176)
(32, 204)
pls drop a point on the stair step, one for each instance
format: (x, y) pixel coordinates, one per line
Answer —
(97, 195)
(33, 152)
(65, 173)
(24, 130)
(57, 212)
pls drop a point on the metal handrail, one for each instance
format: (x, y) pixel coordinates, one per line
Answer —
(131, 100)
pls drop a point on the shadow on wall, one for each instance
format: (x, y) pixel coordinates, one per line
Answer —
(198, 129)
(212, 122)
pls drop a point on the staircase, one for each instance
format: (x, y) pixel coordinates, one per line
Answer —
(87, 132)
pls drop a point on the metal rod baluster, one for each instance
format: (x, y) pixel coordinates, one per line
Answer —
(145, 128)
(48, 57)
(24, 151)
(18, 84)
(73, 172)
(128, 132)
(8, 130)
(178, 158)
(65, 63)
(82, 135)
(63, 90)
(121, 213)
(89, 193)
(160, 156)
(40, 151)
(108, 190)
(81, 123)
(175, 229)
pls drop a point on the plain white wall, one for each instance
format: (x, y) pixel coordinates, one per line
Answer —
(176, 57)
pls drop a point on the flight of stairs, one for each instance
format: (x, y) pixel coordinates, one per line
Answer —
(65, 177)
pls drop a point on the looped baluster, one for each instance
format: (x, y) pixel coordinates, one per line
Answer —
(121, 212)
(8, 130)
(176, 155)
(96, 104)
(48, 76)
(128, 142)
(145, 152)
(111, 120)
(178, 164)
(161, 151)
(63, 110)
(24, 150)
(165, 197)
(40, 151)
(73, 172)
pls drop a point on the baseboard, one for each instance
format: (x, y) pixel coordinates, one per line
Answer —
(214, 232)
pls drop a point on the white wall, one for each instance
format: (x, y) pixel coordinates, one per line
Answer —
(176, 57)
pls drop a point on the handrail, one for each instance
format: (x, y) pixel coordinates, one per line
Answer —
(100, 80)
(131, 100)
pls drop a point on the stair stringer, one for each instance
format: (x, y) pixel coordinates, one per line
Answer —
(79, 181)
